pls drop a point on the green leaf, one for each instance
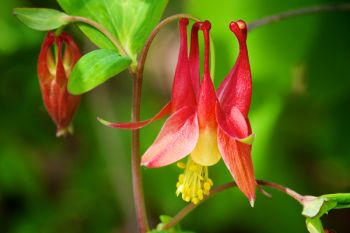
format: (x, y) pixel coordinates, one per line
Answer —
(314, 225)
(342, 199)
(318, 206)
(95, 68)
(129, 21)
(165, 219)
(41, 19)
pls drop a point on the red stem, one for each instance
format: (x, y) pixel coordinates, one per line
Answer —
(188, 208)
(139, 200)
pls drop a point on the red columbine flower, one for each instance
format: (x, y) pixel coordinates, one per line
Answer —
(57, 57)
(204, 124)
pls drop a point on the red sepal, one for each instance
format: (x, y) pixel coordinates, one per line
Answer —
(237, 158)
(176, 139)
(137, 125)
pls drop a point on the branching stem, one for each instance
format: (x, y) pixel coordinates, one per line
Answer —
(189, 207)
(144, 52)
(298, 12)
(103, 30)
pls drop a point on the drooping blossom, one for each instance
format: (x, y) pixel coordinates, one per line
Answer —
(204, 124)
(58, 55)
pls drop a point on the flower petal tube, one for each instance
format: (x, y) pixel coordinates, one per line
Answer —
(57, 57)
(205, 124)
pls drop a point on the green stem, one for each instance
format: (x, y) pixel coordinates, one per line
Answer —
(297, 12)
(103, 30)
(189, 207)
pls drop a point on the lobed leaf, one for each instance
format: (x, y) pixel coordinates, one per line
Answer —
(129, 21)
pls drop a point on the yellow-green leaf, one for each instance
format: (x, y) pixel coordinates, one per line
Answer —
(95, 68)
(129, 21)
(42, 19)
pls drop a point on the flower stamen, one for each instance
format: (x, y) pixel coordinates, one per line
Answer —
(194, 183)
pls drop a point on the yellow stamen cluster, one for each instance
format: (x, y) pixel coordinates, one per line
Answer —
(194, 183)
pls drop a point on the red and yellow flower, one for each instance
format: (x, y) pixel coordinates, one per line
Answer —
(205, 124)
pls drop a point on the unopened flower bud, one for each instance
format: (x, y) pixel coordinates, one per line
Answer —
(58, 55)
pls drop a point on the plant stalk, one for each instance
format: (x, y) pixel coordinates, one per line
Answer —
(103, 30)
(189, 207)
(139, 200)
(144, 52)
(136, 106)
(298, 12)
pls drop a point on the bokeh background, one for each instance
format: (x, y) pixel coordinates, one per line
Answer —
(80, 184)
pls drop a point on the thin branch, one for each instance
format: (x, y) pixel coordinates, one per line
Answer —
(103, 30)
(189, 207)
(144, 52)
(296, 196)
(297, 12)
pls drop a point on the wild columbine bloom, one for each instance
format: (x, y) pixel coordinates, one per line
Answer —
(204, 124)
(58, 55)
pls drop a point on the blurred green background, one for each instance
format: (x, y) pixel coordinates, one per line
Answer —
(300, 113)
